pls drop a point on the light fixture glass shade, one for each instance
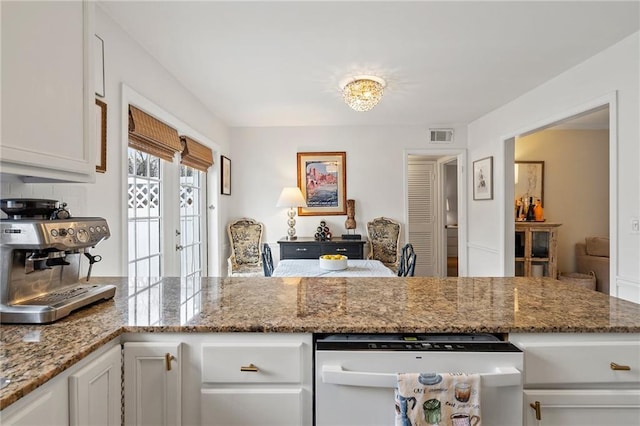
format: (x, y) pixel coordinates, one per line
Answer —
(291, 197)
(362, 93)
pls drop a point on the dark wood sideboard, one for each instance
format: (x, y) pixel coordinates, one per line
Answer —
(309, 248)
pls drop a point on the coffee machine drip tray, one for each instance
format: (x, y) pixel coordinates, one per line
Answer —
(54, 305)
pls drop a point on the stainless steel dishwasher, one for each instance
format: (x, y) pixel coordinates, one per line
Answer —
(355, 375)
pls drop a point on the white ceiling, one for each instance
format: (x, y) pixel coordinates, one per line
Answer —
(275, 63)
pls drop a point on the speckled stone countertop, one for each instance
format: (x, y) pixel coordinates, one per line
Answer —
(32, 354)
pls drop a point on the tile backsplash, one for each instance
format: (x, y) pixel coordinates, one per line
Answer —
(74, 195)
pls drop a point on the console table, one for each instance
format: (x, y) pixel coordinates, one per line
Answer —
(309, 248)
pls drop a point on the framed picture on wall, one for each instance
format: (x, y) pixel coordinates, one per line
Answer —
(483, 179)
(101, 136)
(529, 180)
(322, 178)
(225, 175)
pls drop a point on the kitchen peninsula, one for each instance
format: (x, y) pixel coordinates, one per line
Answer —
(167, 308)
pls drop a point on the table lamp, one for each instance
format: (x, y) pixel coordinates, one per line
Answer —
(291, 197)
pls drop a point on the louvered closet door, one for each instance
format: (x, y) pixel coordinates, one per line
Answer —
(422, 214)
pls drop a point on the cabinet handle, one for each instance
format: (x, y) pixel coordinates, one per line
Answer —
(249, 367)
(167, 360)
(536, 407)
(341, 249)
(618, 367)
(301, 249)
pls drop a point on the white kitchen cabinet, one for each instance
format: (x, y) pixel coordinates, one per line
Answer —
(581, 379)
(47, 405)
(95, 392)
(48, 98)
(51, 403)
(583, 407)
(152, 383)
(253, 379)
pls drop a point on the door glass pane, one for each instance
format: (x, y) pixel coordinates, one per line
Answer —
(190, 212)
(143, 189)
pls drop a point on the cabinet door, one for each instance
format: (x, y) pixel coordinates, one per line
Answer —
(42, 407)
(48, 122)
(95, 391)
(152, 383)
(581, 407)
(247, 407)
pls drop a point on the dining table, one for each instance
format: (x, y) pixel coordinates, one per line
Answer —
(311, 268)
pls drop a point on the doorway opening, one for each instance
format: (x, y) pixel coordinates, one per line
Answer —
(575, 150)
(434, 197)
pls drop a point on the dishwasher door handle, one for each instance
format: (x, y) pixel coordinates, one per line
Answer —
(336, 375)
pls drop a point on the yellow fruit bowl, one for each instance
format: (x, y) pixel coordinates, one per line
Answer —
(333, 262)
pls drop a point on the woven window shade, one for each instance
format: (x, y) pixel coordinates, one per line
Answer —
(195, 155)
(152, 136)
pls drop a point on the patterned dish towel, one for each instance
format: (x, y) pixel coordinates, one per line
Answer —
(446, 399)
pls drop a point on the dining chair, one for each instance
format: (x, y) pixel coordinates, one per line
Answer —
(407, 261)
(267, 260)
(245, 239)
(384, 236)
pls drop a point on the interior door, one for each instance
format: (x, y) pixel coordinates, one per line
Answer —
(422, 204)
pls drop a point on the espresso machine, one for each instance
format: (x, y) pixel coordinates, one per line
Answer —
(40, 253)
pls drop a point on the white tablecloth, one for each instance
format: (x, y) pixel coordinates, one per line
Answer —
(311, 268)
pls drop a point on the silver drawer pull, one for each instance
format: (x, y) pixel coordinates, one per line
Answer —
(618, 367)
(249, 367)
(341, 249)
(301, 249)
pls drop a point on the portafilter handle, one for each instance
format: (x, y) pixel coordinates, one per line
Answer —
(92, 260)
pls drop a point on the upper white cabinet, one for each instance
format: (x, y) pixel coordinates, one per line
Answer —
(48, 99)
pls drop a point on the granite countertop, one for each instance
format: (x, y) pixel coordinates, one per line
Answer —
(32, 354)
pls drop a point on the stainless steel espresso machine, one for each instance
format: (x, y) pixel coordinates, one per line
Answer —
(41, 250)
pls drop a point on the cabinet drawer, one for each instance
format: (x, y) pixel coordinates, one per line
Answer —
(351, 251)
(275, 363)
(584, 362)
(300, 251)
(244, 407)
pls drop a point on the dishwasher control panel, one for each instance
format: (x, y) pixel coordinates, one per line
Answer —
(425, 342)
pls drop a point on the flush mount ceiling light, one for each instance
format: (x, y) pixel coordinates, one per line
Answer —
(362, 92)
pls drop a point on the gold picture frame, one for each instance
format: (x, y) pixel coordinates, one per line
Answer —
(101, 136)
(322, 178)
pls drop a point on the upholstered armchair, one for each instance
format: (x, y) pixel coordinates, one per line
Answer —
(245, 239)
(384, 237)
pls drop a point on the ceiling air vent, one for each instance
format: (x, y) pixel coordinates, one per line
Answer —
(440, 135)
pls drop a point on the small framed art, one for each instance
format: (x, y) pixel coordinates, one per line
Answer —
(101, 136)
(483, 179)
(225, 175)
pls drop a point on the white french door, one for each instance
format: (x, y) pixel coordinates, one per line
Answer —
(166, 218)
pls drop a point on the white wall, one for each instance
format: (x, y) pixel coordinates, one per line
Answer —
(613, 70)
(127, 63)
(576, 184)
(264, 161)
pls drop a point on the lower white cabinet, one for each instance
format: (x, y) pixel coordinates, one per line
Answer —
(581, 379)
(256, 379)
(251, 406)
(152, 383)
(591, 407)
(45, 406)
(95, 392)
(88, 393)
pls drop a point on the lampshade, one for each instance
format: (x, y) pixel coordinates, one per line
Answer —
(362, 92)
(291, 197)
